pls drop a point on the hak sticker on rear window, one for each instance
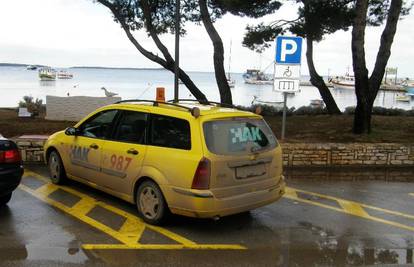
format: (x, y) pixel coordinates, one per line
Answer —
(240, 135)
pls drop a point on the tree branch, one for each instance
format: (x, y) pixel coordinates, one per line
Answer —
(147, 15)
(125, 27)
(283, 22)
(384, 51)
(169, 65)
(220, 73)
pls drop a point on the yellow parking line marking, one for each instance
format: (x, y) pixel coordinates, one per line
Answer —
(353, 208)
(350, 207)
(156, 246)
(130, 232)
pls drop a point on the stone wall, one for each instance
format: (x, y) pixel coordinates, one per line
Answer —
(74, 108)
(357, 154)
(294, 155)
(31, 147)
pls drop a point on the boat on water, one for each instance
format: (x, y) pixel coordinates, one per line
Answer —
(403, 98)
(232, 83)
(317, 103)
(257, 77)
(408, 83)
(31, 67)
(47, 74)
(64, 75)
(410, 91)
(343, 82)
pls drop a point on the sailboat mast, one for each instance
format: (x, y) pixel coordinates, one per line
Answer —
(229, 60)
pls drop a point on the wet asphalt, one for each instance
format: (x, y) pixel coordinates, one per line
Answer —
(290, 232)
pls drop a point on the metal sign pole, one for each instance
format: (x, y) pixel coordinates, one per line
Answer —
(284, 115)
(287, 69)
(177, 49)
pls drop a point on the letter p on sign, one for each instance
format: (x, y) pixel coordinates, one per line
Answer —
(288, 50)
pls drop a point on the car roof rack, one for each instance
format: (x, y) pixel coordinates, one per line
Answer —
(194, 111)
(207, 103)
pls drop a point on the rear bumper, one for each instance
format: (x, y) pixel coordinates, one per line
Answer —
(204, 204)
(9, 179)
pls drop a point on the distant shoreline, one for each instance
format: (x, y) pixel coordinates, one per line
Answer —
(113, 68)
(100, 68)
(77, 67)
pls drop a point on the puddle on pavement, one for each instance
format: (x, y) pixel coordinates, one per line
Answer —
(328, 249)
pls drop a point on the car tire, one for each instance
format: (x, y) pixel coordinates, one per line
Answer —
(56, 169)
(151, 203)
(5, 199)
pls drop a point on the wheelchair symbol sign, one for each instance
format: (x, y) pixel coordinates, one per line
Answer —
(287, 73)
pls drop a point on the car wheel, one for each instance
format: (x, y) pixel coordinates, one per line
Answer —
(5, 199)
(151, 203)
(56, 169)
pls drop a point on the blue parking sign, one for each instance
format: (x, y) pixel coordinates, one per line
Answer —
(288, 50)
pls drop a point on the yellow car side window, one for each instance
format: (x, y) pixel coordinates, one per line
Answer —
(99, 125)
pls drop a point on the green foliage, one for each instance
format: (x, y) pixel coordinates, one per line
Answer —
(268, 110)
(315, 19)
(163, 12)
(378, 11)
(35, 107)
(258, 37)
(253, 9)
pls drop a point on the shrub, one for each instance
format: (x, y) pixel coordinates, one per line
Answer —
(35, 107)
(309, 110)
(268, 110)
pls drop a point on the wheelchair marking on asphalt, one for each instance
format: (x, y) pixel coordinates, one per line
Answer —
(130, 232)
(351, 207)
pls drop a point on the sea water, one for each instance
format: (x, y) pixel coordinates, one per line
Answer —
(16, 82)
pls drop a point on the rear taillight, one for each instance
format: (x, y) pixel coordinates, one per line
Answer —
(201, 178)
(10, 156)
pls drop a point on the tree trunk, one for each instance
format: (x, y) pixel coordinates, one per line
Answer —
(366, 89)
(362, 118)
(362, 112)
(318, 82)
(167, 63)
(220, 73)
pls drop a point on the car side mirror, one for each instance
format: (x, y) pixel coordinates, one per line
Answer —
(72, 131)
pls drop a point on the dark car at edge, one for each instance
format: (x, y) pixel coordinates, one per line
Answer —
(11, 169)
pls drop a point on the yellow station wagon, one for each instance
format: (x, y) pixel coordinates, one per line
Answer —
(198, 160)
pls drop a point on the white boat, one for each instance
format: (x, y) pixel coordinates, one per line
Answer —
(403, 98)
(47, 74)
(64, 75)
(343, 82)
(31, 67)
(276, 104)
(232, 83)
(257, 77)
(317, 103)
(408, 83)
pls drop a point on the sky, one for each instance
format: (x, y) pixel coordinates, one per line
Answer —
(65, 33)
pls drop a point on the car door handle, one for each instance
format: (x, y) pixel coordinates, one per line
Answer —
(132, 151)
(94, 146)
